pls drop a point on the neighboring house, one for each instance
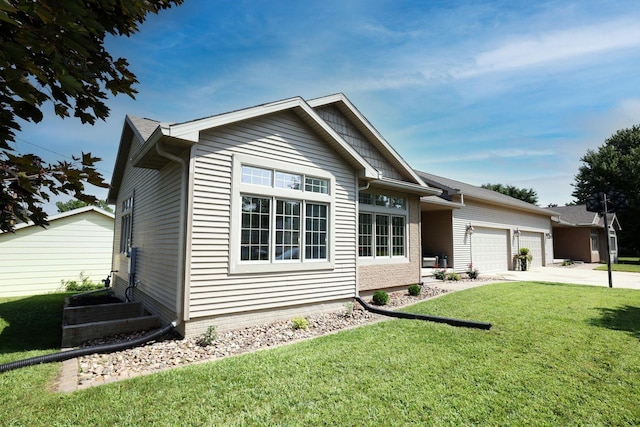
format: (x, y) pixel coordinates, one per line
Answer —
(473, 225)
(580, 235)
(265, 213)
(35, 260)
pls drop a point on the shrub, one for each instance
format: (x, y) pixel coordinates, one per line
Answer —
(380, 298)
(414, 290)
(348, 308)
(472, 273)
(440, 274)
(82, 285)
(299, 323)
(453, 276)
(208, 337)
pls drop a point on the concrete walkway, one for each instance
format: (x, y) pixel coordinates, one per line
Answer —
(581, 274)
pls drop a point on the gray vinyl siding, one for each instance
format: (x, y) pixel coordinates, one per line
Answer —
(483, 215)
(213, 291)
(350, 134)
(156, 209)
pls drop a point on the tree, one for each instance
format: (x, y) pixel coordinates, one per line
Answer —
(53, 51)
(525, 194)
(75, 204)
(615, 166)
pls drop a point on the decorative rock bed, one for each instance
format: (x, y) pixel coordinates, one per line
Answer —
(173, 352)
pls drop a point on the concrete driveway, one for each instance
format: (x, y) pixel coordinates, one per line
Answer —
(582, 274)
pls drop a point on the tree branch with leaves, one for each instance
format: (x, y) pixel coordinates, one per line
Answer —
(52, 51)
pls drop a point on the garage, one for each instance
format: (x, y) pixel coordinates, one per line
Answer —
(535, 243)
(490, 249)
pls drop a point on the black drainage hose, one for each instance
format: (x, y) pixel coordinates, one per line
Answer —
(104, 348)
(438, 319)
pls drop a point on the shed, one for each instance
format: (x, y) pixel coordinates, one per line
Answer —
(36, 260)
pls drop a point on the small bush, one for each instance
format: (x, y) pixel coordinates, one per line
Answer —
(348, 308)
(440, 274)
(472, 273)
(299, 323)
(453, 276)
(82, 285)
(380, 298)
(414, 290)
(208, 337)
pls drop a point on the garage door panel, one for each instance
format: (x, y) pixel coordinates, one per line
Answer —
(490, 249)
(533, 241)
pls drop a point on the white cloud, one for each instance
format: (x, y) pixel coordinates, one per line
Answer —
(487, 155)
(535, 50)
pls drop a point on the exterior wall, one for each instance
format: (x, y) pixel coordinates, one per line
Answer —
(436, 234)
(574, 243)
(484, 215)
(392, 274)
(349, 133)
(156, 207)
(216, 291)
(35, 260)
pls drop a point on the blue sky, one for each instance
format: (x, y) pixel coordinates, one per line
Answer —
(510, 92)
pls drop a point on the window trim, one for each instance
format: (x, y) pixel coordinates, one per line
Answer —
(239, 189)
(389, 211)
(126, 213)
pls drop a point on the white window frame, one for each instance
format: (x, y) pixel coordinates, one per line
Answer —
(374, 210)
(613, 240)
(240, 189)
(126, 225)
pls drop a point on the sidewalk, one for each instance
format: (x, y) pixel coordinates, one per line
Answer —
(581, 274)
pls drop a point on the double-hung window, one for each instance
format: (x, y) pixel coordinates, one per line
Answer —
(284, 217)
(126, 225)
(382, 226)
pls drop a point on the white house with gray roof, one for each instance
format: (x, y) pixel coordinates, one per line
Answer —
(473, 225)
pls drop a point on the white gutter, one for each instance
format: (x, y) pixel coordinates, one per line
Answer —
(406, 186)
(183, 226)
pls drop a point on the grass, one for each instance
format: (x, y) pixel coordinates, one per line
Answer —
(556, 355)
(628, 268)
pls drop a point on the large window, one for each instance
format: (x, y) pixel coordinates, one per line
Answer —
(382, 226)
(276, 229)
(126, 225)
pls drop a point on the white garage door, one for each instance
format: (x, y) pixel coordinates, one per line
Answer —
(533, 241)
(490, 249)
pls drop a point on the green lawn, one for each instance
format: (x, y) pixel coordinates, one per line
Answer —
(629, 268)
(556, 355)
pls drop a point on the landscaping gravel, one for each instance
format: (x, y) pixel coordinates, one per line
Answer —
(173, 352)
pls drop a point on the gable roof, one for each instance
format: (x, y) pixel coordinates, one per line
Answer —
(344, 105)
(579, 216)
(66, 214)
(179, 136)
(452, 187)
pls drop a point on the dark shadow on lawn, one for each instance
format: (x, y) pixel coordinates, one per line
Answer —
(625, 318)
(35, 323)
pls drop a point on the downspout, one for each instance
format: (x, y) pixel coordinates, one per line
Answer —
(183, 225)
